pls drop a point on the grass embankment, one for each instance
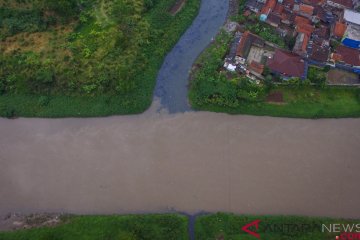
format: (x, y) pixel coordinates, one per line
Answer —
(219, 91)
(103, 63)
(228, 226)
(218, 226)
(135, 227)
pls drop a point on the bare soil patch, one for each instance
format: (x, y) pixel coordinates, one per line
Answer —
(337, 76)
(14, 221)
(275, 97)
(177, 7)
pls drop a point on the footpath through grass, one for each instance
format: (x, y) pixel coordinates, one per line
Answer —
(134, 227)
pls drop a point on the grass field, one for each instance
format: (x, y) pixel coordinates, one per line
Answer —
(97, 65)
(228, 227)
(308, 102)
(218, 226)
(135, 227)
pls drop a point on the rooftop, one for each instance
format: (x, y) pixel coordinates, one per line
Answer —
(257, 67)
(339, 29)
(353, 32)
(246, 41)
(345, 3)
(286, 63)
(319, 53)
(306, 9)
(348, 55)
(352, 17)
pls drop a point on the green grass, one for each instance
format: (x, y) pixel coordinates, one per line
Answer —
(133, 227)
(91, 97)
(307, 102)
(211, 90)
(228, 227)
(174, 227)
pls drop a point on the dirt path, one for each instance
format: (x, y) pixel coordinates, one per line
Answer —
(187, 162)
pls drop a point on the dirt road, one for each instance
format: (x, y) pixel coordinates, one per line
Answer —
(187, 162)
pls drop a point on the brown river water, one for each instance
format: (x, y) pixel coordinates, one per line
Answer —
(189, 162)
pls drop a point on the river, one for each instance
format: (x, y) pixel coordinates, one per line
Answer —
(186, 161)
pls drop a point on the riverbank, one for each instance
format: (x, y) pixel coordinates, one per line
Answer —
(174, 226)
(222, 91)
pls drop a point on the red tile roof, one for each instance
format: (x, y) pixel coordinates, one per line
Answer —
(287, 64)
(257, 67)
(305, 28)
(305, 43)
(346, 3)
(307, 9)
(278, 9)
(301, 20)
(348, 55)
(314, 2)
(339, 29)
(268, 7)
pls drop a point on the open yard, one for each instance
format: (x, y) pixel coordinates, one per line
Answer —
(337, 76)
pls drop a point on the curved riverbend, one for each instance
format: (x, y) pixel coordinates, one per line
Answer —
(172, 81)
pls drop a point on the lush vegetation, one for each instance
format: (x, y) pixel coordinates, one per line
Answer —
(175, 227)
(84, 58)
(214, 89)
(268, 33)
(136, 227)
(228, 226)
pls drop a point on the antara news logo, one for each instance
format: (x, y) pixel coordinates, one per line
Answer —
(349, 231)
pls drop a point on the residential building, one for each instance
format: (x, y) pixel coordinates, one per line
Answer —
(287, 65)
(346, 55)
(343, 4)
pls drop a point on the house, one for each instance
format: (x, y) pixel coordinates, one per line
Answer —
(314, 2)
(347, 56)
(287, 65)
(343, 4)
(306, 10)
(267, 9)
(352, 33)
(319, 53)
(339, 29)
(352, 36)
(256, 67)
(255, 5)
(247, 40)
(301, 43)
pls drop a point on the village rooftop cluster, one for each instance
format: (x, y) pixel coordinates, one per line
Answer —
(326, 33)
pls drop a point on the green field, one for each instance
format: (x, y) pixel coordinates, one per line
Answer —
(135, 227)
(228, 227)
(96, 58)
(213, 89)
(218, 226)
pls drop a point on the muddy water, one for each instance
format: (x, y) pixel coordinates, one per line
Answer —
(172, 81)
(187, 162)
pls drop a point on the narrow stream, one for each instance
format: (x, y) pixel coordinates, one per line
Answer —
(172, 80)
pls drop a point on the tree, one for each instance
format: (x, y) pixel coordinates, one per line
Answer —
(65, 8)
